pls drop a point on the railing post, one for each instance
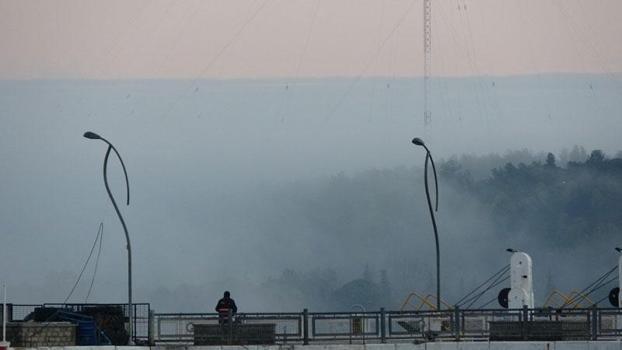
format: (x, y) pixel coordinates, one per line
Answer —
(151, 328)
(305, 327)
(525, 323)
(383, 334)
(457, 322)
(594, 323)
(230, 321)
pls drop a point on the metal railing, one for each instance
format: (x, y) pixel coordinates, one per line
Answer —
(179, 327)
(358, 327)
(391, 326)
(141, 315)
(345, 326)
(18, 312)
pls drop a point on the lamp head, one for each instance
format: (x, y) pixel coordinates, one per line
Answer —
(91, 135)
(418, 142)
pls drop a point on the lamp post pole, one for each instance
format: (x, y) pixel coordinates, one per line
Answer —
(4, 316)
(94, 136)
(428, 158)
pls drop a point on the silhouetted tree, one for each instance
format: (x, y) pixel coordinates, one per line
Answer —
(597, 157)
(550, 160)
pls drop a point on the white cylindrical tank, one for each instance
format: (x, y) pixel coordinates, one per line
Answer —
(521, 281)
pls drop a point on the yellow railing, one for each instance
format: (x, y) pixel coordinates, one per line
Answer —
(572, 299)
(424, 301)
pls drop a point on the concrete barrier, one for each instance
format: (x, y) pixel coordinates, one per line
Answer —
(561, 345)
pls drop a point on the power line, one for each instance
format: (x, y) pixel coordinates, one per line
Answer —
(301, 56)
(502, 271)
(99, 232)
(220, 52)
(369, 62)
(99, 251)
(594, 286)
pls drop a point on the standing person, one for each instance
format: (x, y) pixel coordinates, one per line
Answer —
(224, 305)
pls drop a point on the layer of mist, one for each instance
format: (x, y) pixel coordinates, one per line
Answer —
(305, 193)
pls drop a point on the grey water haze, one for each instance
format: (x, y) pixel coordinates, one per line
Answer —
(225, 177)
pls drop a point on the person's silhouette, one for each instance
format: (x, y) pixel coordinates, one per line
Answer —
(224, 305)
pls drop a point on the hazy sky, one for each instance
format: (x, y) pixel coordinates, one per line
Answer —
(277, 38)
(211, 162)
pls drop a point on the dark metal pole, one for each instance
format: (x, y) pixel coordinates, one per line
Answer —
(383, 331)
(595, 322)
(456, 325)
(130, 312)
(428, 157)
(305, 327)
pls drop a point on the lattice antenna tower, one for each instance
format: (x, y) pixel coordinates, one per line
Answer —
(427, 59)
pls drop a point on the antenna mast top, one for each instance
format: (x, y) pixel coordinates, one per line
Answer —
(427, 59)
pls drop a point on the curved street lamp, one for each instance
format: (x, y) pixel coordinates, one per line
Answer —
(94, 136)
(428, 158)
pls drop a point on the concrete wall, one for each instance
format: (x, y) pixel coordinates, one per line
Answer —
(243, 334)
(36, 334)
(566, 345)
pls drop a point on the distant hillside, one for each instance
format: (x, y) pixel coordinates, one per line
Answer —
(236, 182)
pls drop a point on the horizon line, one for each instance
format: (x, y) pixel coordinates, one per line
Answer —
(616, 75)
